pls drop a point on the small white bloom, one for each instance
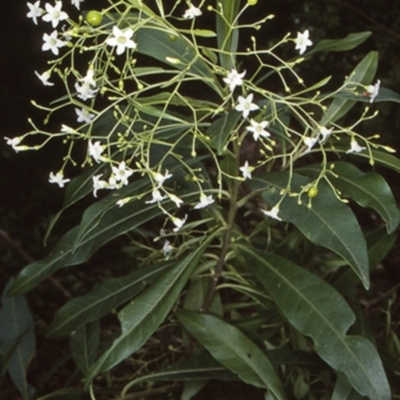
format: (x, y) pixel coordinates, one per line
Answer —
(178, 223)
(167, 248)
(122, 202)
(157, 196)
(51, 42)
(355, 147)
(122, 173)
(34, 11)
(303, 41)
(44, 78)
(246, 170)
(113, 183)
(325, 132)
(58, 178)
(121, 39)
(14, 142)
(310, 142)
(234, 79)
(98, 184)
(192, 12)
(258, 129)
(95, 151)
(67, 129)
(54, 14)
(204, 201)
(83, 115)
(89, 78)
(77, 3)
(85, 91)
(176, 200)
(245, 105)
(273, 213)
(160, 179)
(373, 90)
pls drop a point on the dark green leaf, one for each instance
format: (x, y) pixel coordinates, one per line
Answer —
(348, 43)
(234, 350)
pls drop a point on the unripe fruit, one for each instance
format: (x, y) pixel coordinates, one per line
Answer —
(252, 2)
(94, 18)
(312, 192)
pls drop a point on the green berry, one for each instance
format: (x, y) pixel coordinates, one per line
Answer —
(312, 192)
(94, 18)
(252, 2)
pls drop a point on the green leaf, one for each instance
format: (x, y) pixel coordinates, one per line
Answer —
(84, 344)
(191, 388)
(221, 129)
(234, 350)
(382, 158)
(102, 222)
(315, 309)
(143, 316)
(227, 35)
(103, 299)
(363, 73)
(367, 189)
(348, 43)
(328, 223)
(17, 340)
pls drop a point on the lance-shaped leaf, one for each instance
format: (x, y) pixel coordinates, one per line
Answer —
(382, 158)
(367, 189)
(315, 309)
(348, 43)
(84, 344)
(103, 299)
(363, 73)
(328, 223)
(112, 221)
(144, 315)
(17, 340)
(229, 346)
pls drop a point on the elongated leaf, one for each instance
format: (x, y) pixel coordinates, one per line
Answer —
(367, 189)
(315, 309)
(221, 128)
(382, 158)
(328, 223)
(143, 316)
(227, 35)
(103, 299)
(348, 43)
(17, 340)
(84, 344)
(363, 73)
(234, 350)
(191, 388)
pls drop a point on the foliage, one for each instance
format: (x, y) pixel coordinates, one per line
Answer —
(238, 187)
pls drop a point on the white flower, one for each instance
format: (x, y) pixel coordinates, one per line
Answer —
(160, 179)
(373, 90)
(58, 178)
(89, 78)
(67, 129)
(178, 223)
(34, 11)
(310, 142)
(234, 79)
(167, 248)
(246, 170)
(44, 78)
(258, 129)
(51, 42)
(192, 12)
(85, 91)
(113, 183)
(273, 213)
(355, 147)
(122, 173)
(54, 14)
(83, 115)
(122, 39)
(95, 151)
(14, 142)
(98, 184)
(176, 200)
(77, 3)
(325, 132)
(302, 41)
(122, 202)
(157, 196)
(245, 105)
(204, 201)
